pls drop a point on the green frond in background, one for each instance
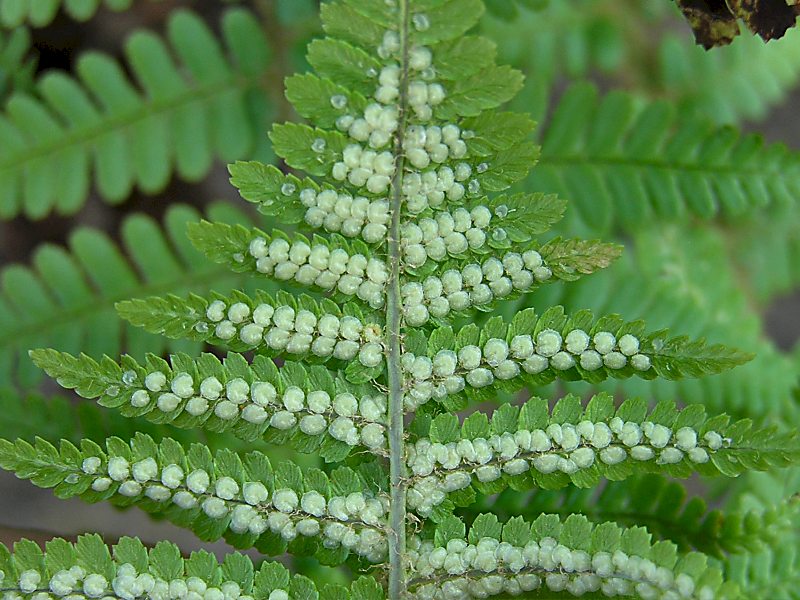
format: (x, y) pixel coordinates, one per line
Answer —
(356, 380)
(104, 128)
(623, 162)
(68, 296)
(659, 277)
(16, 68)
(39, 13)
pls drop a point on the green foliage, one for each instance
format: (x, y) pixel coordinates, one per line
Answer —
(161, 565)
(69, 295)
(114, 385)
(40, 13)
(102, 128)
(623, 163)
(16, 68)
(352, 324)
(596, 442)
(139, 471)
(658, 277)
(662, 505)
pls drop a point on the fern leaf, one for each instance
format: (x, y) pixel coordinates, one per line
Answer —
(57, 417)
(512, 218)
(330, 264)
(659, 504)
(129, 134)
(40, 13)
(550, 555)
(528, 446)
(771, 573)
(661, 279)
(88, 568)
(17, 68)
(534, 350)
(275, 325)
(615, 156)
(75, 290)
(307, 407)
(244, 499)
(740, 83)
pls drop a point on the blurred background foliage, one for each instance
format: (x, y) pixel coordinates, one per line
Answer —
(117, 118)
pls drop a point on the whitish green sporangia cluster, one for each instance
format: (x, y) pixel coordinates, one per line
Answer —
(402, 230)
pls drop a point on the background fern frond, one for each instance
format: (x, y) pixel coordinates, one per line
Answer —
(658, 503)
(176, 117)
(619, 156)
(40, 13)
(16, 66)
(658, 277)
(67, 299)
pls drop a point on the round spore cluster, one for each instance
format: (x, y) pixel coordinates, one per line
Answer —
(294, 331)
(472, 285)
(340, 212)
(354, 520)
(318, 265)
(450, 372)
(463, 571)
(447, 234)
(439, 469)
(314, 412)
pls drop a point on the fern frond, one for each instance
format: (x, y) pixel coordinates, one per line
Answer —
(550, 556)
(471, 229)
(16, 67)
(56, 417)
(661, 505)
(662, 280)
(134, 133)
(771, 573)
(87, 569)
(308, 407)
(618, 156)
(40, 13)
(67, 298)
(767, 249)
(533, 350)
(742, 82)
(283, 324)
(348, 271)
(529, 446)
(243, 499)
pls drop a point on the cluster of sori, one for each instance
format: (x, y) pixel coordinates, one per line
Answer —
(491, 567)
(340, 212)
(296, 331)
(423, 92)
(318, 265)
(563, 448)
(377, 125)
(344, 417)
(354, 521)
(433, 144)
(449, 372)
(365, 168)
(445, 234)
(127, 584)
(472, 285)
(430, 188)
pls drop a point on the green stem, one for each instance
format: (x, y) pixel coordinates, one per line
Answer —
(397, 471)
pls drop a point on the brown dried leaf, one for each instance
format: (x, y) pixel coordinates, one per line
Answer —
(714, 22)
